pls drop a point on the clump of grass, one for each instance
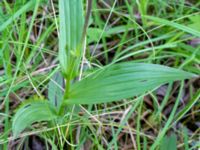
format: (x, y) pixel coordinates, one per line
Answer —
(108, 88)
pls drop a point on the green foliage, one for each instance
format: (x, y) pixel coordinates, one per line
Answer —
(93, 34)
(184, 28)
(9, 19)
(195, 22)
(30, 112)
(112, 82)
(191, 103)
(169, 143)
(55, 92)
(71, 28)
(121, 81)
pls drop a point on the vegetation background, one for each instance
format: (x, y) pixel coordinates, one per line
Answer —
(165, 32)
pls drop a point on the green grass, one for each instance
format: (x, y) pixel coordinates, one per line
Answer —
(114, 97)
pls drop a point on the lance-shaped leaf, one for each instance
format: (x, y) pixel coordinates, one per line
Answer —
(71, 28)
(30, 112)
(123, 80)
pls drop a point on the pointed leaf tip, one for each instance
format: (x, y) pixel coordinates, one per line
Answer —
(124, 80)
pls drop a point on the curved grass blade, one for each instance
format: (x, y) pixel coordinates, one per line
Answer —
(175, 25)
(4, 23)
(30, 112)
(123, 80)
(190, 104)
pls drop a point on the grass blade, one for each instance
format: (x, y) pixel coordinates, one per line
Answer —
(175, 25)
(26, 7)
(188, 106)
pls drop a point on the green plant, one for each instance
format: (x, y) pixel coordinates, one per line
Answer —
(110, 83)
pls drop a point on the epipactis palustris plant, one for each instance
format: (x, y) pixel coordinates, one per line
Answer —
(113, 82)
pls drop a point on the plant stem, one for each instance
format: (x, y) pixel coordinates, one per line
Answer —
(67, 87)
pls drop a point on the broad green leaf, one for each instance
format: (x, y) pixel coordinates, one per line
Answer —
(196, 22)
(71, 28)
(169, 143)
(175, 25)
(123, 80)
(186, 138)
(55, 92)
(93, 34)
(30, 112)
